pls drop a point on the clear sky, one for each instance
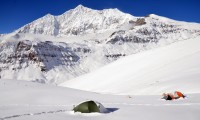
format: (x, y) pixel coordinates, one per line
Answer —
(16, 13)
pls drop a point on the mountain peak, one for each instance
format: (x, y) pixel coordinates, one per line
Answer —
(77, 21)
(81, 7)
(48, 15)
(82, 20)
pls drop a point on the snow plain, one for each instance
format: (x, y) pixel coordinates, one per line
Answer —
(21, 100)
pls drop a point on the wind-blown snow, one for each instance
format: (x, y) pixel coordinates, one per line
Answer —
(169, 68)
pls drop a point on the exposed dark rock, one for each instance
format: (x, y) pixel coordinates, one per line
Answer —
(47, 53)
(140, 21)
(115, 55)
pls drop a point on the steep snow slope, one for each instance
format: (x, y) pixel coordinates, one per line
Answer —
(169, 68)
(22, 100)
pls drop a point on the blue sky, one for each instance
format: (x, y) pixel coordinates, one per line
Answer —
(16, 13)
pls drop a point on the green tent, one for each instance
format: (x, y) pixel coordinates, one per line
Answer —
(89, 107)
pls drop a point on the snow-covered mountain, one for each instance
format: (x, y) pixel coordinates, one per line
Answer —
(54, 49)
(80, 20)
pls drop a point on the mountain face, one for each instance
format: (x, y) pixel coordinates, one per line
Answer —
(54, 49)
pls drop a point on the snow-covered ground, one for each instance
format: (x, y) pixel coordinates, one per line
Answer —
(165, 69)
(168, 68)
(21, 100)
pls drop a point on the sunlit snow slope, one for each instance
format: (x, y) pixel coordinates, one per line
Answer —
(165, 69)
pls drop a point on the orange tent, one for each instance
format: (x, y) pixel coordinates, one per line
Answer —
(178, 94)
(171, 96)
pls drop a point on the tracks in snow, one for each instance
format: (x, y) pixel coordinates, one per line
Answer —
(60, 111)
(30, 114)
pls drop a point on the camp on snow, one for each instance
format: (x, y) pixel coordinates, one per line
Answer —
(90, 107)
(171, 96)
